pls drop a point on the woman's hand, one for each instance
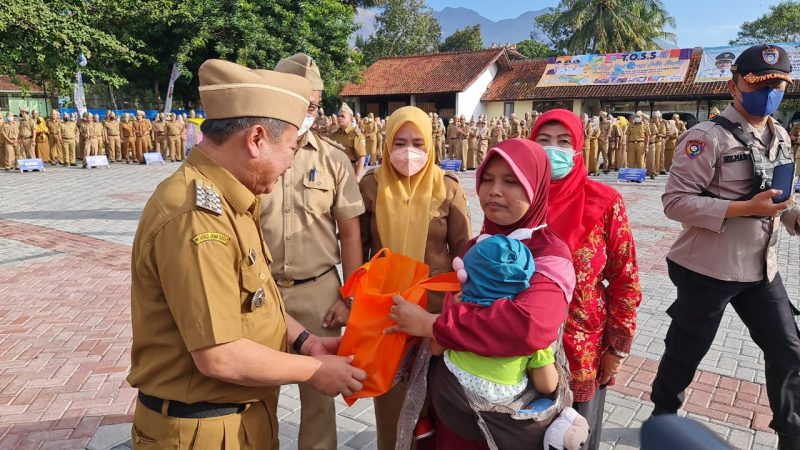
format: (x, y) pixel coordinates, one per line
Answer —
(411, 319)
(609, 366)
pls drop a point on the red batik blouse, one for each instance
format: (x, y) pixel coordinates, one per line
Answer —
(600, 315)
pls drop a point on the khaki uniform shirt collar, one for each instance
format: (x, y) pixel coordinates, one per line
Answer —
(229, 187)
(308, 141)
(735, 116)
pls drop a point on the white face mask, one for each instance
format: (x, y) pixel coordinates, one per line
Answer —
(306, 125)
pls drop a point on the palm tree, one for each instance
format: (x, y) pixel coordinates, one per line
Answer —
(609, 26)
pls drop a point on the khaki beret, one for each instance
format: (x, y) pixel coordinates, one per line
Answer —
(346, 109)
(228, 90)
(304, 66)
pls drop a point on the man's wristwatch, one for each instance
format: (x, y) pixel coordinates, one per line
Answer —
(617, 353)
(301, 339)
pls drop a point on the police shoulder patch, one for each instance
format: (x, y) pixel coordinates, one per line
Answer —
(204, 237)
(694, 148)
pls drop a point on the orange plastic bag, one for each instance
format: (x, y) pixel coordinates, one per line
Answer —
(372, 287)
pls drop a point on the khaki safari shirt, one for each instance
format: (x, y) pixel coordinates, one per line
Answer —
(448, 233)
(355, 146)
(709, 158)
(200, 276)
(299, 216)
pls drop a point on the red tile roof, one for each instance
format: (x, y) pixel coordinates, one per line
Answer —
(7, 86)
(519, 83)
(426, 74)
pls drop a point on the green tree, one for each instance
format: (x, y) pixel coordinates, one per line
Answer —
(608, 26)
(534, 49)
(404, 27)
(780, 24)
(466, 39)
(44, 39)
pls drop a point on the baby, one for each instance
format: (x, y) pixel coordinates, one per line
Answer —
(499, 267)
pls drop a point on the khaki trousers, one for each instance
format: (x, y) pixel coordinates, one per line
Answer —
(308, 303)
(472, 154)
(636, 155)
(174, 143)
(114, 148)
(142, 147)
(69, 151)
(651, 158)
(464, 152)
(182, 148)
(659, 156)
(254, 429)
(129, 148)
(161, 146)
(9, 156)
(438, 143)
(27, 148)
(56, 153)
(482, 150)
(371, 147)
(669, 153)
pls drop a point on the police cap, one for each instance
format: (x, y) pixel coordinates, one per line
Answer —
(763, 62)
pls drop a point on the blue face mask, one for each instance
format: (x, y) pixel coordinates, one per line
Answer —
(562, 160)
(762, 102)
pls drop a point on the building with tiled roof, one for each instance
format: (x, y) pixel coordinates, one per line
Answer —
(499, 81)
(11, 97)
(448, 83)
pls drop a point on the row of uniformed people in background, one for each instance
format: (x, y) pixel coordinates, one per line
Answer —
(66, 140)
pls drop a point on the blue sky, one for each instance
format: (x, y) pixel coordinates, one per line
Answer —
(707, 23)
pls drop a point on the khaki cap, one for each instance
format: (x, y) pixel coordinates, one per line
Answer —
(304, 66)
(228, 90)
(346, 109)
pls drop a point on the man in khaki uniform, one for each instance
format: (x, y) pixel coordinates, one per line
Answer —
(98, 133)
(111, 137)
(515, 128)
(593, 131)
(603, 138)
(27, 135)
(680, 124)
(141, 131)
(438, 138)
(351, 140)
(9, 134)
(650, 150)
(463, 137)
(316, 197)
(614, 140)
(452, 142)
(321, 123)
(209, 327)
(483, 140)
(54, 135)
(637, 137)
(128, 138)
(150, 133)
(669, 144)
(661, 142)
(88, 137)
(160, 136)
(794, 134)
(173, 133)
(369, 128)
(720, 190)
(69, 140)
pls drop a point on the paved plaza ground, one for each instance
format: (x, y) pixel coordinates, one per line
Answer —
(65, 333)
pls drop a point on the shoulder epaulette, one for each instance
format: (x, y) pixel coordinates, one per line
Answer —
(207, 198)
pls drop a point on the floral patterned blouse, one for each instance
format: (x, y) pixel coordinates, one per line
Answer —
(602, 316)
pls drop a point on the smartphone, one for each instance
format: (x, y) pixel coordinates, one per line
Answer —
(783, 179)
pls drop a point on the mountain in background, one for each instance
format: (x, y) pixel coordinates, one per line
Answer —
(500, 32)
(452, 19)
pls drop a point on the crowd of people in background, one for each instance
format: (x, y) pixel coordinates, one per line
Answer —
(610, 142)
(66, 139)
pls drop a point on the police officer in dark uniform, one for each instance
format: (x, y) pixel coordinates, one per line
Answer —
(720, 189)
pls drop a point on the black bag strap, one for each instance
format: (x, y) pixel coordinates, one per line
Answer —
(737, 132)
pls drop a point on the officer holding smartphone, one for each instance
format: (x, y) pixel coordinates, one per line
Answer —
(722, 187)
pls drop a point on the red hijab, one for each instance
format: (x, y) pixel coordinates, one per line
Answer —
(578, 203)
(531, 166)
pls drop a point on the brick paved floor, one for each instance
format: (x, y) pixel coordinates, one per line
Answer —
(65, 240)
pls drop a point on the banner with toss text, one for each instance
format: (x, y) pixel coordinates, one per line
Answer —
(654, 66)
